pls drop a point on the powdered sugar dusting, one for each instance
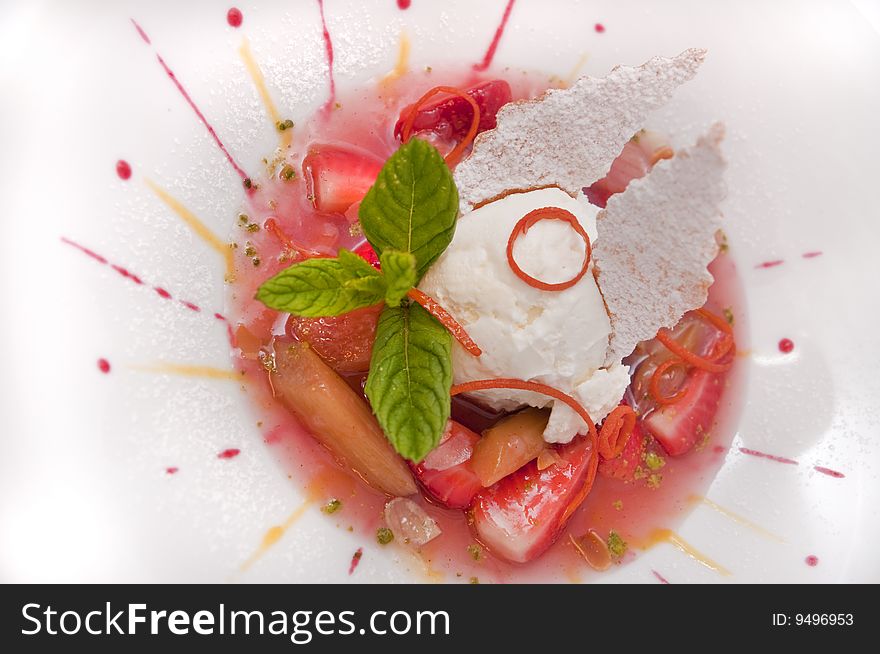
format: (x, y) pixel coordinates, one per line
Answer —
(569, 137)
(656, 240)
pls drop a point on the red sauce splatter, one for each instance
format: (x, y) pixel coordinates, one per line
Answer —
(660, 578)
(600, 29)
(812, 560)
(493, 46)
(127, 274)
(231, 453)
(718, 449)
(404, 4)
(829, 472)
(234, 17)
(186, 96)
(786, 345)
(328, 46)
(172, 470)
(141, 31)
(104, 366)
(123, 170)
(770, 264)
(812, 255)
(355, 559)
(764, 455)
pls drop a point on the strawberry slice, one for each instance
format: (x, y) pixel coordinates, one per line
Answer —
(624, 466)
(521, 516)
(450, 117)
(365, 251)
(344, 342)
(446, 472)
(680, 426)
(338, 177)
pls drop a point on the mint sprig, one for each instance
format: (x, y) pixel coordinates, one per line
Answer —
(410, 377)
(413, 205)
(408, 216)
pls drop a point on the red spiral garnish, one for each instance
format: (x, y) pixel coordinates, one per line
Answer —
(523, 226)
(455, 154)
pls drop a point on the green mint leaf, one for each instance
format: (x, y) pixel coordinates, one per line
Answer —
(409, 380)
(324, 287)
(413, 205)
(399, 270)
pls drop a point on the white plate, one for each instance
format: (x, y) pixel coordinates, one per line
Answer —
(84, 495)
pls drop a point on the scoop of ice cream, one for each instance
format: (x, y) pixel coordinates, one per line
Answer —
(559, 338)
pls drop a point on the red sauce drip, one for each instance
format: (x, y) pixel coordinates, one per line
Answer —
(328, 46)
(403, 4)
(600, 29)
(127, 274)
(786, 345)
(162, 293)
(660, 578)
(811, 255)
(355, 559)
(141, 31)
(829, 472)
(172, 470)
(186, 96)
(770, 264)
(191, 306)
(104, 366)
(231, 453)
(493, 46)
(812, 560)
(123, 170)
(764, 455)
(234, 17)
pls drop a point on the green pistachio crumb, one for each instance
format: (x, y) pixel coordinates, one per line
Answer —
(616, 544)
(243, 218)
(654, 461)
(475, 551)
(332, 506)
(475, 580)
(253, 227)
(728, 315)
(384, 535)
(249, 250)
(654, 480)
(288, 172)
(618, 505)
(256, 261)
(284, 125)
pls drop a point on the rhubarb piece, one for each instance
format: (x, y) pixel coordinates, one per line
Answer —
(338, 417)
(509, 445)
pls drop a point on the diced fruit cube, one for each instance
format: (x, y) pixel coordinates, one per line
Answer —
(365, 251)
(338, 177)
(522, 515)
(446, 473)
(338, 417)
(344, 342)
(450, 117)
(509, 445)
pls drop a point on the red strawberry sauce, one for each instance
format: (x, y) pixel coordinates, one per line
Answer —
(366, 121)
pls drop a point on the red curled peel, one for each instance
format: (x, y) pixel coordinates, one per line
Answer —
(523, 226)
(458, 332)
(616, 431)
(695, 360)
(654, 389)
(455, 154)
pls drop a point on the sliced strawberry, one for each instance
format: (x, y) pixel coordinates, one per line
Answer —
(680, 426)
(637, 158)
(344, 342)
(446, 472)
(519, 517)
(337, 177)
(365, 251)
(450, 117)
(624, 466)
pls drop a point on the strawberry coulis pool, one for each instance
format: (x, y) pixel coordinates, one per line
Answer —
(364, 119)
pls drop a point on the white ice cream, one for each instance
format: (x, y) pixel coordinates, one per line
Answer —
(556, 338)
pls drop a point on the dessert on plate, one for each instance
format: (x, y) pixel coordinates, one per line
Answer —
(493, 305)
